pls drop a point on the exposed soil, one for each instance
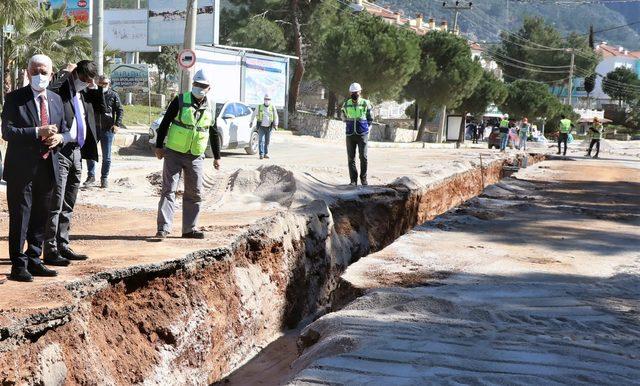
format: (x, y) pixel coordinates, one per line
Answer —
(193, 319)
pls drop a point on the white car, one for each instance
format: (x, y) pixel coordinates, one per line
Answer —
(233, 122)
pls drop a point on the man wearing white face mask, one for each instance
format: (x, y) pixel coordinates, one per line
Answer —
(33, 124)
(188, 126)
(267, 120)
(81, 98)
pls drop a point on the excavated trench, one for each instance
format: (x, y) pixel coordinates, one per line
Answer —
(195, 319)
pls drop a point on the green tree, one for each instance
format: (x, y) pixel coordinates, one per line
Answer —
(490, 90)
(527, 98)
(447, 74)
(259, 33)
(365, 49)
(537, 51)
(589, 86)
(621, 84)
(167, 63)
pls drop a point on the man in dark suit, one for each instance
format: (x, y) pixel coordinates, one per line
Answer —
(72, 85)
(33, 123)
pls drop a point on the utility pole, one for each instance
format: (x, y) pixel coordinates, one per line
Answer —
(457, 8)
(136, 55)
(573, 58)
(189, 41)
(97, 35)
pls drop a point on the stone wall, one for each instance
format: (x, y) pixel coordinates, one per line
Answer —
(318, 126)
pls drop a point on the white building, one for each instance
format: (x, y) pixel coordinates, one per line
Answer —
(612, 58)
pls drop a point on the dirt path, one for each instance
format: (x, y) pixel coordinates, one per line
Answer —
(535, 282)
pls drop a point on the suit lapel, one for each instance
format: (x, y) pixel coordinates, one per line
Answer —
(31, 107)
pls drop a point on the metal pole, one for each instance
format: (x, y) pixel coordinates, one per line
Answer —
(136, 55)
(455, 21)
(573, 56)
(98, 38)
(189, 41)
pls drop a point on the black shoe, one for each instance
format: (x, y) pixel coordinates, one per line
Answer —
(162, 235)
(68, 253)
(41, 270)
(90, 181)
(353, 183)
(266, 156)
(193, 235)
(56, 260)
(596, 156)
(104, 183)
(588, 155)
(364, 183)
(558, 153)
(261, 156)
(20, 274)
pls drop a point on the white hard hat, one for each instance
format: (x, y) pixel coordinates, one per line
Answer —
(203, 77)
(266, 96)
(355, 87)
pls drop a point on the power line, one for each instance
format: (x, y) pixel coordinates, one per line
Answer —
(496, 53)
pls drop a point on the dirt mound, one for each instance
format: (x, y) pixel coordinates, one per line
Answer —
(271, 185)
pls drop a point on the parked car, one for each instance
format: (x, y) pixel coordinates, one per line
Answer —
(233, 122)
(494, 139)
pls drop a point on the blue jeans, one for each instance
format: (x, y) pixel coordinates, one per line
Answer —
(504, 140)
(106, 141)
(523, 142)
(264, 136)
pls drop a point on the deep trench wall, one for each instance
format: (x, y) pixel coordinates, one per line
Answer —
(194, 320)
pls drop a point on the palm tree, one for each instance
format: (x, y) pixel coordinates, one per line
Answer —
(50, 33)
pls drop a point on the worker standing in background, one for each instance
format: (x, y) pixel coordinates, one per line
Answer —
(523, 133)
(267, 120)
(597, 130)
(108, 122)
(357, 115)
(565, 129)
(188, 125)
(504, 133)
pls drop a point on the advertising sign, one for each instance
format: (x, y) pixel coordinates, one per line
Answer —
(225, 68)
(265, 76)
(129, 76)
(167, 19)
(78, 10)
(126, 30)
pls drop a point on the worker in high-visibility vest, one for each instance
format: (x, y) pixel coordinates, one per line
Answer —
(267, 120)
(357, 115)
(504, 132)
(565, 128)
(188, 125)
(597, 131)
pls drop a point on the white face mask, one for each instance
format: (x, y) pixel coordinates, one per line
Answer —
(80, 85)
(40, 82)
(105, 89)
(199, 92)
(267, 102)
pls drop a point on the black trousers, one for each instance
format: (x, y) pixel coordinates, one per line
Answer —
(361, 143)
(63, 200)
(563, 138)
(28, 201)
(597, 143)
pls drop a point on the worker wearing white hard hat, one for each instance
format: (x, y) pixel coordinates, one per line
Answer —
(188, 127)
(266, 116)
(358, 117)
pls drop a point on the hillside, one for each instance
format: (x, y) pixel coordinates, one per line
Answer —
(488, 17)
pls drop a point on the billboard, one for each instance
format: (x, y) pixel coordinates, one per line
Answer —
(167, 19)
(263, 75)
(129, 77)
(126, 30)
(225, 68)
(78, 10)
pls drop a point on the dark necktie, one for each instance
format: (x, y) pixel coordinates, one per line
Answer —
(44, 120)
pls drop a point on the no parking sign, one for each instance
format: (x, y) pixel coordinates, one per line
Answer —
(186, 58)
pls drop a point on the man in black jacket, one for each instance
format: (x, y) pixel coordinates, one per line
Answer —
(33, 124)
(72, 84)
(109, 121)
